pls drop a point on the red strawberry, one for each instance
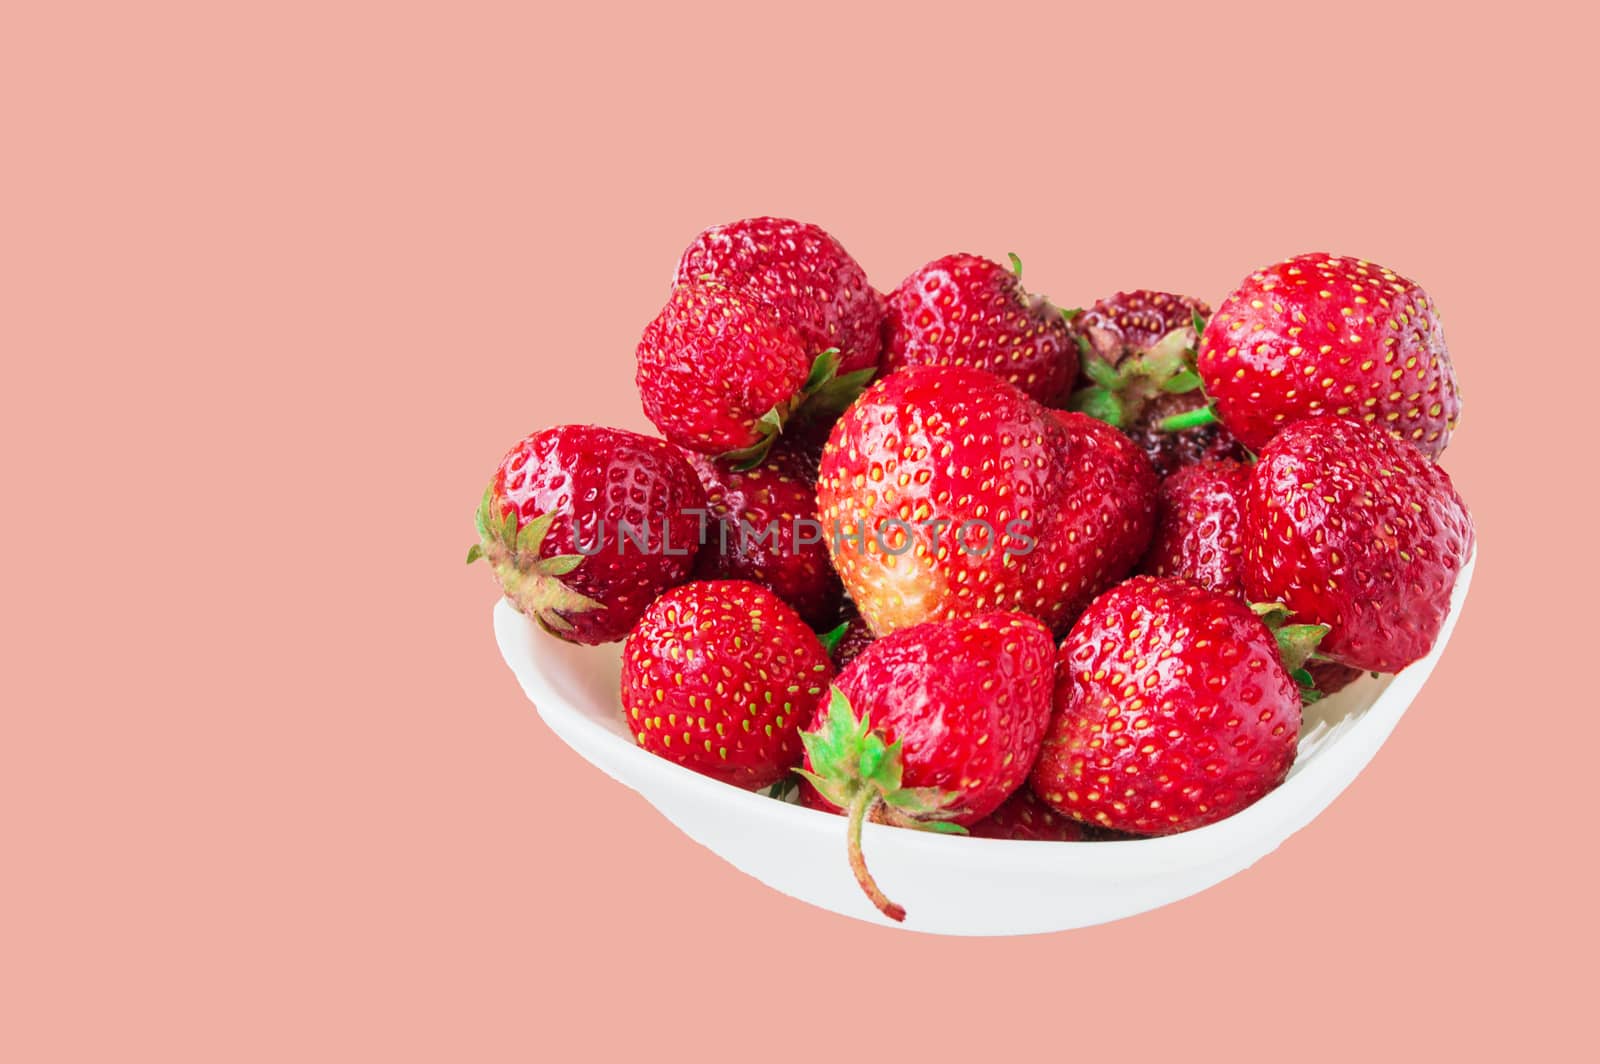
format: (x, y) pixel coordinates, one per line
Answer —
(584, 526)
(1349, 527)
(1111, 506)
(721, 373)
(945, 492)
(766, 532)
(1139, 375)
(1173, 710)
(1319, 334)
(1200, 526)
(719, 677)
(1024, 816)
(802, 271)
(963, 310)
(934, 725)
(1200, 537)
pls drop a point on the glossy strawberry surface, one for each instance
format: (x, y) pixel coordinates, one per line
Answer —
(720, 676)
(1111, 509)
(1200, 526)
(968, 699)
(1172, 710)
(602, 521)
(945, 492)
(1320, 335)
(712, 363)
(805, 273)
(765, 531)
(964, 310)
(1350, 527)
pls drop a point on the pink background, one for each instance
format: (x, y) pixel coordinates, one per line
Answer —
(279, 288)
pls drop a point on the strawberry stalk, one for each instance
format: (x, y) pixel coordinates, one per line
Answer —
(855, 769)
(1189, 419)
(860, 806)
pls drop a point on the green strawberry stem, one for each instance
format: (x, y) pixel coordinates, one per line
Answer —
(855, 769)
(1189, 419)
(860, 806)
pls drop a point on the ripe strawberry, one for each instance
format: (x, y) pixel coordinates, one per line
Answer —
(963, 310)
(802, 271)
(1200, 537)
(719, 677)
(766, 532)
(1138, 374)
(1024, 816)
(1173, 709)
(945, 492)
(934, 725)
(1200, 526)
(1319, 334)
(1349, 527)
(1111, 506)
(584, 526)
(721, 373)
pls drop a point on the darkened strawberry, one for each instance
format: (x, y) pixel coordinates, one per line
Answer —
(963, 310)
(1323, 335)
(1330, 677)
(1200, 526)
(804, 273)
(945, 492)
(806, 438)
(934, 725)
(765, 531)
(1138, 374)
(1024, 816)
(720, 372)
(1173, 709)
(1352, 528)
(720, 676)
(846, 640)
(584, 526)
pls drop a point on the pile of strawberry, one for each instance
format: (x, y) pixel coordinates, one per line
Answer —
(1075, 572)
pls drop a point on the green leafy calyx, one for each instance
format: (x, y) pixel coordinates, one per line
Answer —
(1117, 394)
(854, 768)
(530, 581)
(1297, 644)
(823, 397)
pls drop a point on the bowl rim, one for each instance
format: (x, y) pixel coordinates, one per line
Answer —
(627, 761)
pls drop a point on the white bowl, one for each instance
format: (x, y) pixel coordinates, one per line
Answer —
(956, 885)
